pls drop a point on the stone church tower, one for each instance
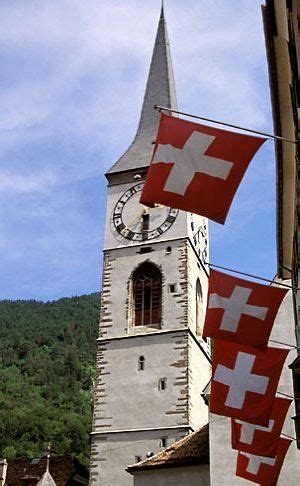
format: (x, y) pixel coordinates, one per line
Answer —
(152, 361)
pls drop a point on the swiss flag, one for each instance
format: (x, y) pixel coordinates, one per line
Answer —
(241, 311)
(257, 439)
(262, 470)
(197, 168)
(244, 381)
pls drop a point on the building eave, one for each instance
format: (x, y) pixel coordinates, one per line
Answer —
(285, 152)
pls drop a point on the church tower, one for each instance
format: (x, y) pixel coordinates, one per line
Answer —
(152, 363)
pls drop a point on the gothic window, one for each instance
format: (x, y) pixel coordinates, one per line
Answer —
(199, 308)
(141, 364)
(147, 285)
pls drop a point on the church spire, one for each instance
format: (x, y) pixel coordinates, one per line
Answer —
(160, 90)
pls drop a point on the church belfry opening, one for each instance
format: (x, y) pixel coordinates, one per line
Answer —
(147, 290)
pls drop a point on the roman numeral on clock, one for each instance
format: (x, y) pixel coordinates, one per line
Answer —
(120, 227)
(170, 219)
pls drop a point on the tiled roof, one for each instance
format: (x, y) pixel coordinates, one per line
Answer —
(190, 451)
(160, 90)
(62, 468)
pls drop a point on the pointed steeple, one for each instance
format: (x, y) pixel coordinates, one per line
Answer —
(160, 90)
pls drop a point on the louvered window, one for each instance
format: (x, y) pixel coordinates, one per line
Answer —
(147, 295)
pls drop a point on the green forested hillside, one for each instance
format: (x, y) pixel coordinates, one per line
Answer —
(47, 357)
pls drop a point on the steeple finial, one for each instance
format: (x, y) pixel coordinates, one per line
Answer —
(47, 479)
(160, 90)
(48, 456)
(162, 10)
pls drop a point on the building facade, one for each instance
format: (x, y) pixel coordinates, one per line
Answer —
(281, 21)
(152, 363)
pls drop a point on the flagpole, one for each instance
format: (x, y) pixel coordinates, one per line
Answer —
(284, 344)
(288, 396)
(257, 132)
(251, 275)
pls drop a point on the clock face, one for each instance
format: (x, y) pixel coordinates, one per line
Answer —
(136, 222)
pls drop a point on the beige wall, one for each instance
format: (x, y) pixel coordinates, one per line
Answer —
(115, 452)
(130, 399)
(222, 456)
(179, 476)
(131, 414)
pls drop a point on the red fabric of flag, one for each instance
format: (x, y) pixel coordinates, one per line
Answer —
(244, 381)
(262, 470)
(197, 168)
(241, 311)
(259, 440)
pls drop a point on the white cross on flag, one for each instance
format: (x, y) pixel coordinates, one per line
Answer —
(241, 311)
(262, 470)
(197, 168)
(257, 439)
(244, 381)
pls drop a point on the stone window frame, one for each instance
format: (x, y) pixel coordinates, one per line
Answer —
(162, 384)
(130, 300)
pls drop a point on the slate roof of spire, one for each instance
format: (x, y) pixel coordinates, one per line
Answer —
(160, 90)
(47, 480)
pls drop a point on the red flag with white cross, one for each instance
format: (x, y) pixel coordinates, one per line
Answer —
(197, 168)
(262, 470)
(257, 439)
(241, 311)
(244, 381)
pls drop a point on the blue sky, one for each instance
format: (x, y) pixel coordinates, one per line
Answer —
(72, 72)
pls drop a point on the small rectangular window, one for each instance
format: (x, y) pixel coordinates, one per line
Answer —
(163, 442)
(162, 384)
(172, 288)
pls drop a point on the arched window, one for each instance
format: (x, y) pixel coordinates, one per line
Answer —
(147, 295)
(199, 308)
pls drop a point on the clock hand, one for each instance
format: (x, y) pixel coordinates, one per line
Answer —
(136, 219)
